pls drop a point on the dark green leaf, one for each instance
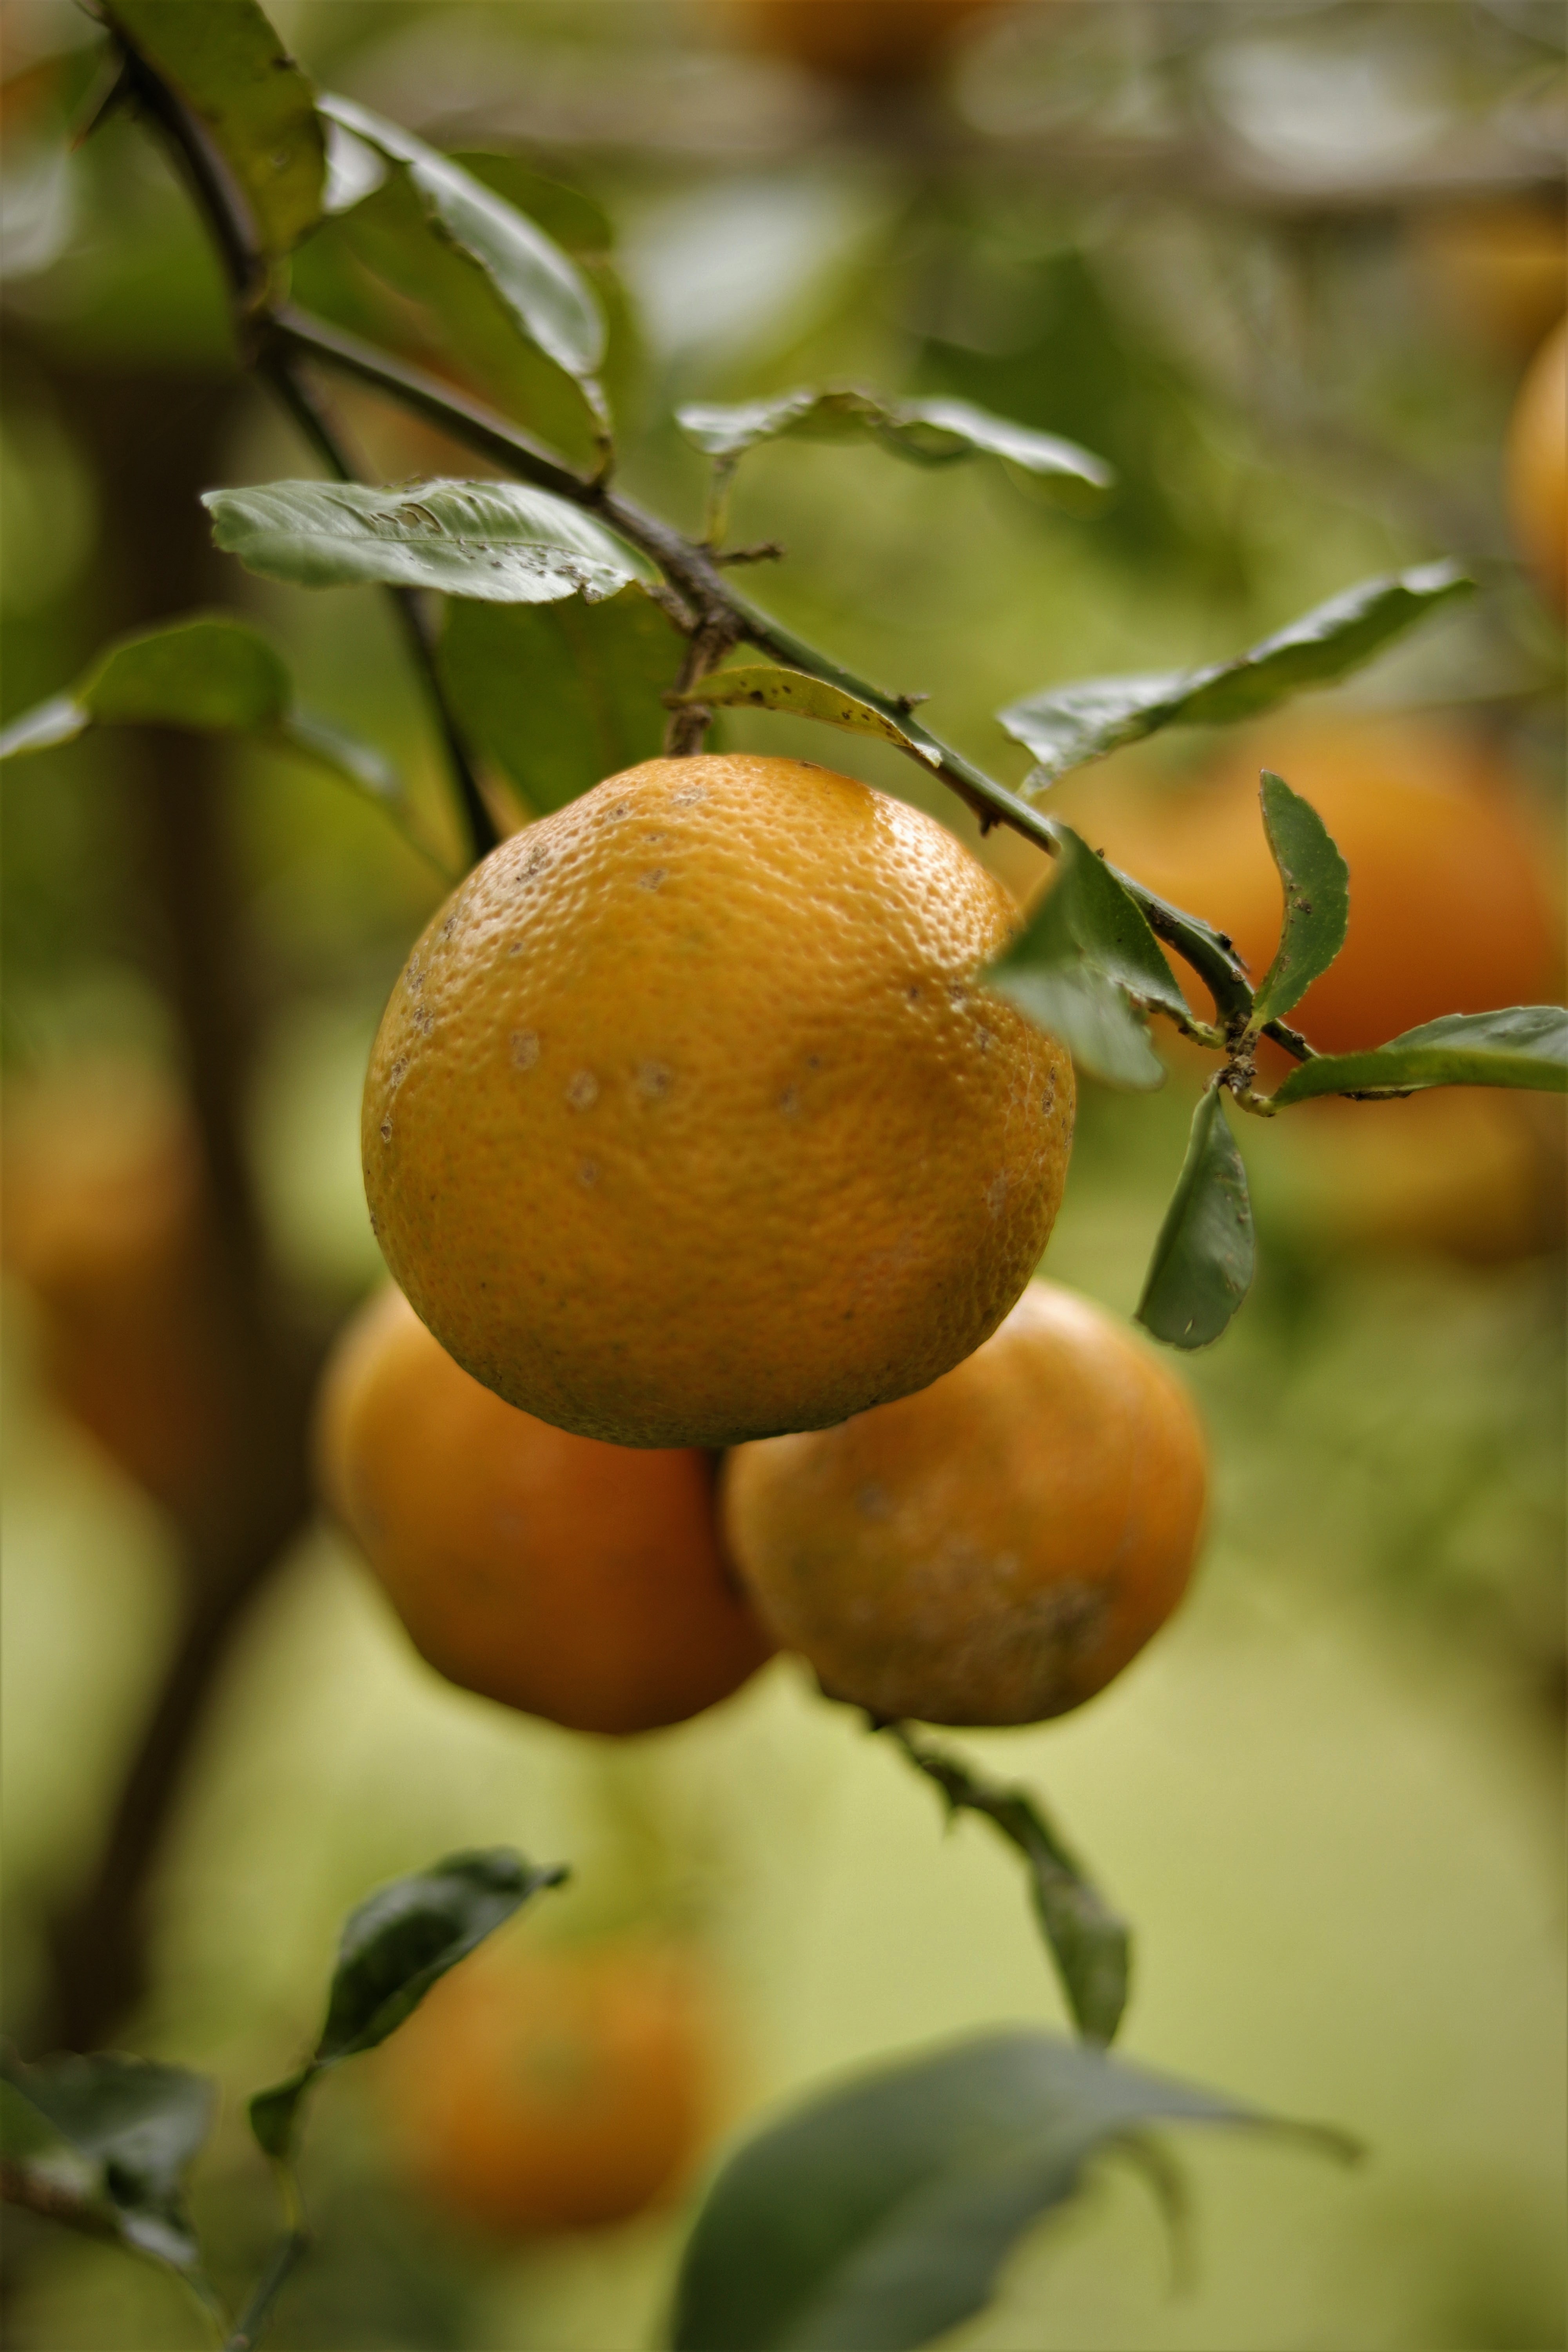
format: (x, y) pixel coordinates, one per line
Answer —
(560, 694)
(223, 59)
(931, 432)
(545, 293)
(1202, 1266)
(1316, 883)
(1526, 1045)
(1065, 726)
(394, 1949)
(134, 2128)
(1085, 965)
(762, 685)
(1090, 1946)
(499, 542)
(877, 2216)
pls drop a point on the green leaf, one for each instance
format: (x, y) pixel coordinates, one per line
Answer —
(762, 685)
(499, 542)
(877, 2215)
(131, 2128)
(223, 59)
(546, 294)
(1202, 1266)
(1066, 725)
(560, 694)
(1524, 1046)
(1090, 1944)
(395, 1946)
(1316, 883)
(930, 432)
(1085, 967)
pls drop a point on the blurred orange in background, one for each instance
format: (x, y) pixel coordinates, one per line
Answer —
(1537, 458)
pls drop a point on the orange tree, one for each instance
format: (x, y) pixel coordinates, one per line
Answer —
(880, 2213)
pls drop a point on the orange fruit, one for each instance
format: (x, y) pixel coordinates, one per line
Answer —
(686, 1121)
(536, 2090)
(1537, 458)
(1497, 266)
(857, 40)
(579, 1581)
(994, 1549)
(106, 1224)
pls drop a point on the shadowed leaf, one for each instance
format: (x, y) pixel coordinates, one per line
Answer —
(761, 686)
(1202, 1262)
(127, 2129)
(1525, 1046)
(1316, 883)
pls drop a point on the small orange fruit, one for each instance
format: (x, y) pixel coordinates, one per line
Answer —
(994, 1549)
(536, 2090)
(1538, 467)
(579, 1581)
(686, 1121)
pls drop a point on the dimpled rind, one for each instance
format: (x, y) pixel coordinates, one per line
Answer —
(994, 1549)
(687, 1123)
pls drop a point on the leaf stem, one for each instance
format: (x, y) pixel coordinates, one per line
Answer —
(289, 2251)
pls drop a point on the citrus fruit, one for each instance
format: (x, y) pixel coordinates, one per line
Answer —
(535, 2091)
(1538, 467)
(579, 1581)
(1497, 266)
(686, 1121)
(994, 1549)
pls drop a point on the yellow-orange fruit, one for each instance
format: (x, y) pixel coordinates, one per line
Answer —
(537, 2091)
(858, 40)
(1499, 265)
(686, 1121)
(579, 1581)
(994, 1549)
(1538, 467)
(107, 1224)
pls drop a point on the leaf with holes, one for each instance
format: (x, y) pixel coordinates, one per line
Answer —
(395, 1948)
(1202, 1262)
(1066, 725)
(225, 62)
(930, 432)
(119, 2135)
(499, 542)
(762, 685)
(1524, 1046)
(1316, 883)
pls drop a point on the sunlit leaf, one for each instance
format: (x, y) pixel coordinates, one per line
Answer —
(1316, 883)
(499, 542)
(1085, 966)
(1065, 726)
(930, 432)
(223, 59)
(1202, 1262)
(129, 2130)
(762, 685)
(875, 2216)
(545, 293)
(560, 694)
(1525, 1046)
(395, 1948)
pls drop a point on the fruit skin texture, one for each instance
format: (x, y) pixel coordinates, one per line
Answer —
(539, 2091)
(1538, 467)
(686, 1123)
(578, 1581)
(994, 1549)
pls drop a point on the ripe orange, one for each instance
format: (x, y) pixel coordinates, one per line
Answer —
(535, 2091)
(1538, 467)
(106, 1225)
(994, 1549)
(687, 1123)
(858, 40)
(579, 1581)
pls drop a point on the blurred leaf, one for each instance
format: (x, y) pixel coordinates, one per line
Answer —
(875, 2216)
(1316, 883)
(930, 432)
(562, 695)
(1202, 1266)
(223, 59)
(1090, 1946)
(1066, 725)
(1526, 1045)
(133, 2127)
(1084, 966)
(499, 542)
(395, 1948)
(544, 293)
(762, 685)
